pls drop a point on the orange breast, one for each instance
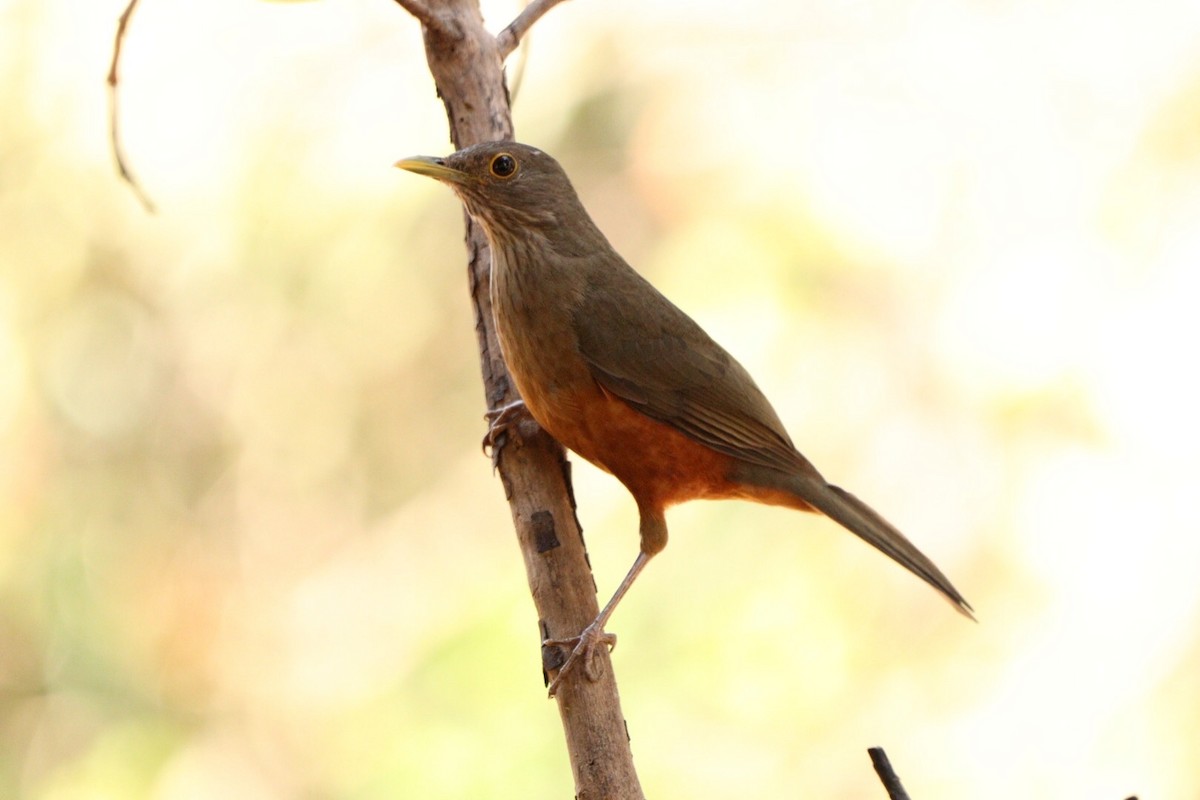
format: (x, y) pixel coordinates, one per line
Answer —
(659, 465)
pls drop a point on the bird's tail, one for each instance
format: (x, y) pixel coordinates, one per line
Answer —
(860, 519)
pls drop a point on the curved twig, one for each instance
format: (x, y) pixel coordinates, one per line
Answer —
(114, 81)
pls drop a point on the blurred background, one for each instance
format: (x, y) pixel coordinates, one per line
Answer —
(249, 547)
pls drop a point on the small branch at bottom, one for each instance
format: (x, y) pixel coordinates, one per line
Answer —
(887, 775)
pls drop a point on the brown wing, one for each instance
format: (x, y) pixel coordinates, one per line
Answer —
(643, 349)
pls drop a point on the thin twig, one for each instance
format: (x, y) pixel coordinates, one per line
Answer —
(507, 39)
(516, 75)
(113, 131)
(887, 775)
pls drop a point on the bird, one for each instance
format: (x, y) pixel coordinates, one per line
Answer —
(619, 375)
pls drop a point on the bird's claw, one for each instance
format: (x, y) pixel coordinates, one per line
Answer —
(500, 420)
(583, 648)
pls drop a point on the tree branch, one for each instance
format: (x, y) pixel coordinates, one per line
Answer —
(887, 775)
(467, 67)
(417, 8)
(424, 14)
(114, 134)
(508, 39)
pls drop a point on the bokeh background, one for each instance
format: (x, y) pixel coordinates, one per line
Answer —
(249, 547)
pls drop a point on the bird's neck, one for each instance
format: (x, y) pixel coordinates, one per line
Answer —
(545, 233)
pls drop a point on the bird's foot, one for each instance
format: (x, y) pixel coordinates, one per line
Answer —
(500, 420)
(584, 651)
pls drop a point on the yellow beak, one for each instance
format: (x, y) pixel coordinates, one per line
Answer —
(433, 168)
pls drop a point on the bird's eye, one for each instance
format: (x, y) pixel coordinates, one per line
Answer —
(504, 166)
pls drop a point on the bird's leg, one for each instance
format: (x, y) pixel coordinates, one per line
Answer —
(499, 421)
(584, 645)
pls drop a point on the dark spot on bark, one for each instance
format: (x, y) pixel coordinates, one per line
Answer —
(553, 657)
(545, 537)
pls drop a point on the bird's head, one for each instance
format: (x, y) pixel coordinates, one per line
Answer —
(507, 186)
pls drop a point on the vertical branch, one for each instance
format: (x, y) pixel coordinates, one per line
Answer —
(467, 66)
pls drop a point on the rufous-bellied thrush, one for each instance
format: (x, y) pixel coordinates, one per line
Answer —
(617, 373)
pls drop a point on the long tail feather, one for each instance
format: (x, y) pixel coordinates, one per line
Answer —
(862, 520)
